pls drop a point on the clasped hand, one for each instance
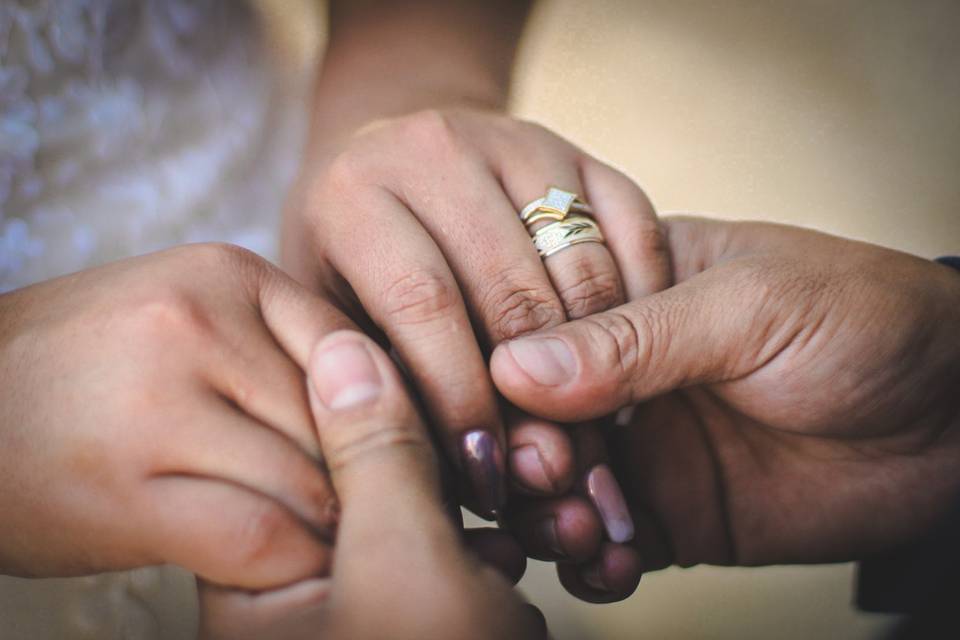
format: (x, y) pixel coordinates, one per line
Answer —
(796, 396)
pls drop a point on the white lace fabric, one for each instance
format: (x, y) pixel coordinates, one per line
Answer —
(128, 126)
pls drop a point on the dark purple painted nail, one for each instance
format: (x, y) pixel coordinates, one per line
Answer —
(484, 466)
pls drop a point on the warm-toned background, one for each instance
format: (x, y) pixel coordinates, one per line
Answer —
(840, 115)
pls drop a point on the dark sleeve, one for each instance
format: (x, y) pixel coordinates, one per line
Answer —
(919, 578)
(914, 578)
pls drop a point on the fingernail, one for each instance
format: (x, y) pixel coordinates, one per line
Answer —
(605, 493)
(547, 360)
(345, 376)
(527, 467)
(545, 532)
(483, 464)
(591, 576)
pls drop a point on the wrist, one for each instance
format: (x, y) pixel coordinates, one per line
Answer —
(388, 59)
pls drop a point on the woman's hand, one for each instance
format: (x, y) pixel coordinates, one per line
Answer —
(400, 568)
(155, 411)
(799, 396)
(413, 226)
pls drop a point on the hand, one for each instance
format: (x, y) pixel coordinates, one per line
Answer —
(400, 569)
(799, 396)
(413, 227)
(155, 411)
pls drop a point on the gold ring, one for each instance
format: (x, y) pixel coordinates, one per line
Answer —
(559, 235)
(556, 205)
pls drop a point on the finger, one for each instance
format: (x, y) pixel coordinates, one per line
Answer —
(410, 292)
(599, 484)
(584, 276)
(231, 446)
(612, 577)
(381, 463)
(699, 331)
(230, 535)
(503, 281)
(296, 318)
(288, 612)
(264, 382)
(559, 529)
(499, 550)
(536, 621)
(542, 459)
(636, 239)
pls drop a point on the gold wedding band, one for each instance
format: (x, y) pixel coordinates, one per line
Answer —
(573, 229)
(571, 224)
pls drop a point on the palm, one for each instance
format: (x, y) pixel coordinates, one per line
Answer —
(812, 456)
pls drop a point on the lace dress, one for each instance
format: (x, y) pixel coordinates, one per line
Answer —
(127, 126)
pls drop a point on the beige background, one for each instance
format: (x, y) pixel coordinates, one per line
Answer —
(839, 115)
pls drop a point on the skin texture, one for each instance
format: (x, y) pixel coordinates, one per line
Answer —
(399, 563)
(797, 397)
(155, 411)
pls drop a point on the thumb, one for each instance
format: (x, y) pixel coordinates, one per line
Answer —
(594, 366)
(379, 456)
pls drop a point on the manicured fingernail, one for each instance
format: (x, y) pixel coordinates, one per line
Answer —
(484, 466)
(545, 532)
(345, 376)
(605, 493)
(527, 468)
(547, 360)
(591, 575)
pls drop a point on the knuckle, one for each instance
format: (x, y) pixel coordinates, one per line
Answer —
(217, 255)
(513, 309)
(346, 172)
(419, 297)
(433, 130)
(222, 263)
(258, 533)
(587, 289)
(315, 487)
(371, 440)
(650, 237)
(169, 315)
(624, 344)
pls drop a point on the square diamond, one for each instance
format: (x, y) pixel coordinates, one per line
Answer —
(558, 200)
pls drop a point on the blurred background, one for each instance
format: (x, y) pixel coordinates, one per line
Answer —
(839, 115)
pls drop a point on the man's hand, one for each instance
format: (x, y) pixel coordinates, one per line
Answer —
(799, 396)
(400, 568)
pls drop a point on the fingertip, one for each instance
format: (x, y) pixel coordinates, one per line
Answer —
(507, 376)
(578, 528)
(566, 529)
(498, 549)
(545, 375)
(613, 576)
(542, 460)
